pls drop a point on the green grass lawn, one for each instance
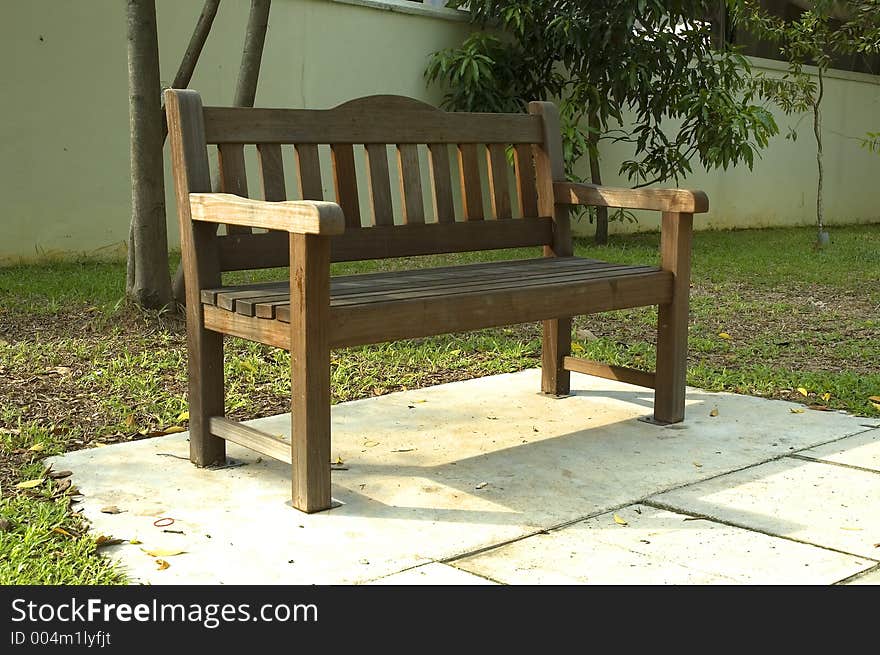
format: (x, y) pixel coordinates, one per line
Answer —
(80, 368)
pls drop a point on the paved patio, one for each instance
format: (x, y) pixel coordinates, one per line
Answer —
(486, 481)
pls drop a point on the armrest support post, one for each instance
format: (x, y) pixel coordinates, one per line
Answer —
(672, 318)
(310, 371)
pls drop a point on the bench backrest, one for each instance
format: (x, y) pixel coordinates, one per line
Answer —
(443, 163)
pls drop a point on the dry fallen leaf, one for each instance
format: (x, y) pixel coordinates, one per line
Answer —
(481, 485)
(64, 532)
(111, 509)
(724, 335)
(130, 421)
(55, 475)
(876, 406)
(798, 410)
(819, 408)
(174, 428)
(161, 564)
(371, 444)
(846, 527)
(104, 540)
(619, 520)
(803, 392)
(30, 484)
(698, 465)
(714, 412)
(874, 399)
(162, 552)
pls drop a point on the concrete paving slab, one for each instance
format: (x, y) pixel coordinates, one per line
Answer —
(659, 547)
(431, 474)
(870, 578)
(814, 502)
(862, 450)
(434, 573)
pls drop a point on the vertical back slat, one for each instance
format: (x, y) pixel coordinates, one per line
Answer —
(549, 168)
(441, 179)
(345, 182)
(471, 186)
(380, 184)
(272, 172)
(309, 167)
(233, 177)
(411, 183)
(496, 156)
(526, 193)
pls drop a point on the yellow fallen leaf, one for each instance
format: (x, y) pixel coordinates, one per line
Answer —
(577, 348)
(713, 411)
(246, 365)
(846, 527)
(724, 335)
(424, 401)
(796, 411)
(38, 447)
(161, 564)
(161, 552)
(619, 520)
(135, 542)
(183, 416)
(174, 428)
(803, 392)
(876, 406)
(62, 531)
(30, 484)
(826, 396)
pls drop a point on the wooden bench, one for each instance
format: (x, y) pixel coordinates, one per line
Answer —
(458, 192)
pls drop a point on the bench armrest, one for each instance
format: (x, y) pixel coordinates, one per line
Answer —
(680, 201)
(295, 216)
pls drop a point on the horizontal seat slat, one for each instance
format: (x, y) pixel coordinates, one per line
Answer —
(231, 297)
(412, 303)
(376, 322)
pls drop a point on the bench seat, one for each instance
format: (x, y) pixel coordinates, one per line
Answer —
(377, 307)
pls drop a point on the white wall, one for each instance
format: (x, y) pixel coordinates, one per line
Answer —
(64, 128)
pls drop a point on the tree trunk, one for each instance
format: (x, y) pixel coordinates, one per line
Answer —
(148, 282)
(193, 52)
(252, 54)
(596, 177)
(817, 130)
(245, 88)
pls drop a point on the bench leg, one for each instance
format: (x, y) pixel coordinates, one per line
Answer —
(206, 393)
(672, 320)
(556, 347)
(310, 372)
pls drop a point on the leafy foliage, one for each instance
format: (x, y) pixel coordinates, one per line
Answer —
(637, 67)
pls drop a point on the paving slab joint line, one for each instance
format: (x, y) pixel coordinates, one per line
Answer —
(856, 576)
(733, 524)
(646, 500)
(535, 533)
(818, 460)
(775, 458)
(418, 566)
